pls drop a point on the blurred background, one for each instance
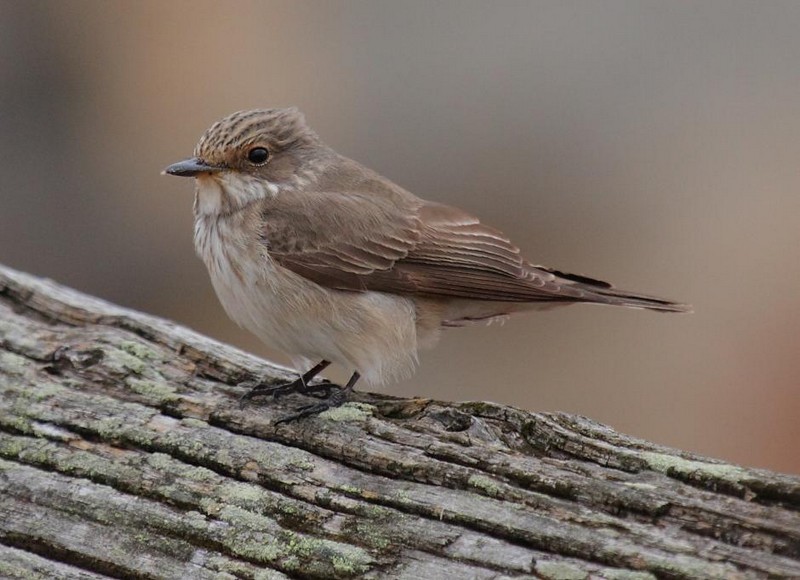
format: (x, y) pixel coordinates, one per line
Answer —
(652, 144)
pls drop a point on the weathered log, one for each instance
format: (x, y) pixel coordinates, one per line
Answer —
(124, 452)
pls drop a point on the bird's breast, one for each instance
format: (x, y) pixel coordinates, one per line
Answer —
(237, 264)
(273, 303)
(369, 331)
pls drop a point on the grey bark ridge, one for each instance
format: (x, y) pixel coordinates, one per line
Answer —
(124, 454)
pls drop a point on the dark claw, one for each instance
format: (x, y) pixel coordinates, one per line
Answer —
(300, 385)
(259, 389)
(337, 399)
(333, 394)
(321, 390)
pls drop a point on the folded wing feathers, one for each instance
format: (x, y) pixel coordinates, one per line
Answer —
(442, 252)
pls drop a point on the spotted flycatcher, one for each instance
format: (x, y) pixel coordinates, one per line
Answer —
(326, 260)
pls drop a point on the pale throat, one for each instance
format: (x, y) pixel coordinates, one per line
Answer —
(228, 192)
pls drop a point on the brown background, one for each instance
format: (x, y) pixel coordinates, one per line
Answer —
(653, 144)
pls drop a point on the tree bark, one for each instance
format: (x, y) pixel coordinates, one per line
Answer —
(124, 452)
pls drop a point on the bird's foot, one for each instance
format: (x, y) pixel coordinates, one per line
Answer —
(336, 399)
(258, 389)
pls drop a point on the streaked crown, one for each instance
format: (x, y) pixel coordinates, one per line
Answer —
(277, 129)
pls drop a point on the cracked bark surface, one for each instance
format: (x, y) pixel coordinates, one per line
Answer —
(125, 453)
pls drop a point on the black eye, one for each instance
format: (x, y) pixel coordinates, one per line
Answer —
(257, 155)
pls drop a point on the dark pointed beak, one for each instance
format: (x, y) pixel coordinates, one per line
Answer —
(190, 168)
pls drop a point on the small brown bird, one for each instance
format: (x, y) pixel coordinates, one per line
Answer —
(326, 260)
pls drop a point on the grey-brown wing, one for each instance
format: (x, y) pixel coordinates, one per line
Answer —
(365, 243)
(340, 240)
(458, 256)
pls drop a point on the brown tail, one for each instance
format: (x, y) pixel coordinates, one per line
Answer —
(617, 297)
(598, 292)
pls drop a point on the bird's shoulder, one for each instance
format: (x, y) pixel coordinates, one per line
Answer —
(345, 205)
(355, 230)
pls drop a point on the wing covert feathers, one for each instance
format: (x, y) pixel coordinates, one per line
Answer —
(400, 244)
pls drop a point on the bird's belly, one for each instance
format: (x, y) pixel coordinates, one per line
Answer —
(371, 332)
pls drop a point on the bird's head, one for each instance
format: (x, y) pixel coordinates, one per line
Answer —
(250, 155)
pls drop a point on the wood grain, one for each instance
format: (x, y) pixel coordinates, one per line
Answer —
(125, 453)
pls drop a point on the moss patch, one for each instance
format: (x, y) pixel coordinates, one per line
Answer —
(355, 412)
(138, 350)
(620, 574)
(485, 484)
(14, 364)
(672, 465)
(158, 390)
(123, 362)
(560, 571)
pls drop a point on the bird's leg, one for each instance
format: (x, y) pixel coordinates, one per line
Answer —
(336, 399)
(300, 385)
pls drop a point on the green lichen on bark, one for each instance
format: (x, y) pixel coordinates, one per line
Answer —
(128, 430)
